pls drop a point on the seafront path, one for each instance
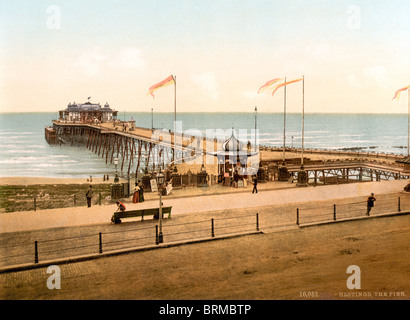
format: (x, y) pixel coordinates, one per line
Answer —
(196, 202)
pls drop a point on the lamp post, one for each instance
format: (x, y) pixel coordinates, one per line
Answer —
(116, 180)
(152, 118)
(256, 115)
(160, 183)
(303, 177)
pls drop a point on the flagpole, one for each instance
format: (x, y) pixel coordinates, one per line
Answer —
(256, 115)
(408, 121)
(175, 115)
(284, 123)
(303, 117)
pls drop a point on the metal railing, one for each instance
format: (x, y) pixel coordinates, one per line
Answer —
(114, 239)
(134, 238)
(317, 214)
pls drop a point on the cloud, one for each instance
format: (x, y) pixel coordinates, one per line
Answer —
(91, 61)
(129, 58)
(353, 81)
(207, 82)
(375, 76)
(251, 94)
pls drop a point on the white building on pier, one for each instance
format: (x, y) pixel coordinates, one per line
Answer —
(87, 113)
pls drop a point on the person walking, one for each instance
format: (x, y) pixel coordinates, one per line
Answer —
(89, 195)
(370, 203)
(236, 179)
(255, 184)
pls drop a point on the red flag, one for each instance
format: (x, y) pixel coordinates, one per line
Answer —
(268, 84)
(397, 94)
(284, 84)
(168, 81)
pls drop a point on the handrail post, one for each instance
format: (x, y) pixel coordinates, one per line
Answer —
(334, 212)
(35, 205)
(297, 216)
(399, 208)
(100, 246)
(212, 228)
(35, 252)
(257, 221)
(156, 235)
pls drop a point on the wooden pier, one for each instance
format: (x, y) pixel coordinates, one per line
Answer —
(133, 146)
(137, 148)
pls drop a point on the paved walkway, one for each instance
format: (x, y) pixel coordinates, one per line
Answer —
(194, 204)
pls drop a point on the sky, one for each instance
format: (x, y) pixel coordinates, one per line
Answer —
(353, 54)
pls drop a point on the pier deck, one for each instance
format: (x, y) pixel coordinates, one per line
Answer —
(128, 143)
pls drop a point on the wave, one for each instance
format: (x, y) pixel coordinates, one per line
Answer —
(35, 160)
(16, 134)
(19, 151)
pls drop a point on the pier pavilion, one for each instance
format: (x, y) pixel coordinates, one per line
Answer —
(87, 113)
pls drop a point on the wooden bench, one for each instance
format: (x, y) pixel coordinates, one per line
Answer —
(117, 216)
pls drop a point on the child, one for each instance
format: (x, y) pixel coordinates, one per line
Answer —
(121, 206)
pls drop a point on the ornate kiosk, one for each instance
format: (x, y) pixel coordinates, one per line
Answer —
(233, 162)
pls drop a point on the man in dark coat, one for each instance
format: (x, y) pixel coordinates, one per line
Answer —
(89, 196)
(141, 193)
(370, 203)
(255, 184)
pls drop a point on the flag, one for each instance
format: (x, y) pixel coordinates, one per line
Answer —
(397, 94)
(163, 83)
(284, 84)
(268, 84)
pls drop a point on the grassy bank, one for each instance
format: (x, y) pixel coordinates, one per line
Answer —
(21, 197)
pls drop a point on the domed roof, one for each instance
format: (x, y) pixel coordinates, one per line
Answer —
(232, 144)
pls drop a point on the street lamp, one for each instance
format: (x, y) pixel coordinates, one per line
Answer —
(152, 118)
(256, 115)
(160, 183)
(116, 180)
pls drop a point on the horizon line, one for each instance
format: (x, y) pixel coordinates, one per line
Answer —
(221, 112)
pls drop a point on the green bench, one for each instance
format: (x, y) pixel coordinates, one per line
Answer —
(117, 216)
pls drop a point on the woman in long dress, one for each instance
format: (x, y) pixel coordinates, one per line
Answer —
(136, 196)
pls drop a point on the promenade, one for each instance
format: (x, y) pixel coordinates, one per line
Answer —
(195, 201)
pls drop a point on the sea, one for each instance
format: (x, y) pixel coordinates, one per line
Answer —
(25, 152)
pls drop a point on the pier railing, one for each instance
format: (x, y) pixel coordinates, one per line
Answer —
(350, 153)
(133, 236)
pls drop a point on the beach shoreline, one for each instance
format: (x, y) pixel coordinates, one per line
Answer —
(14, 181)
